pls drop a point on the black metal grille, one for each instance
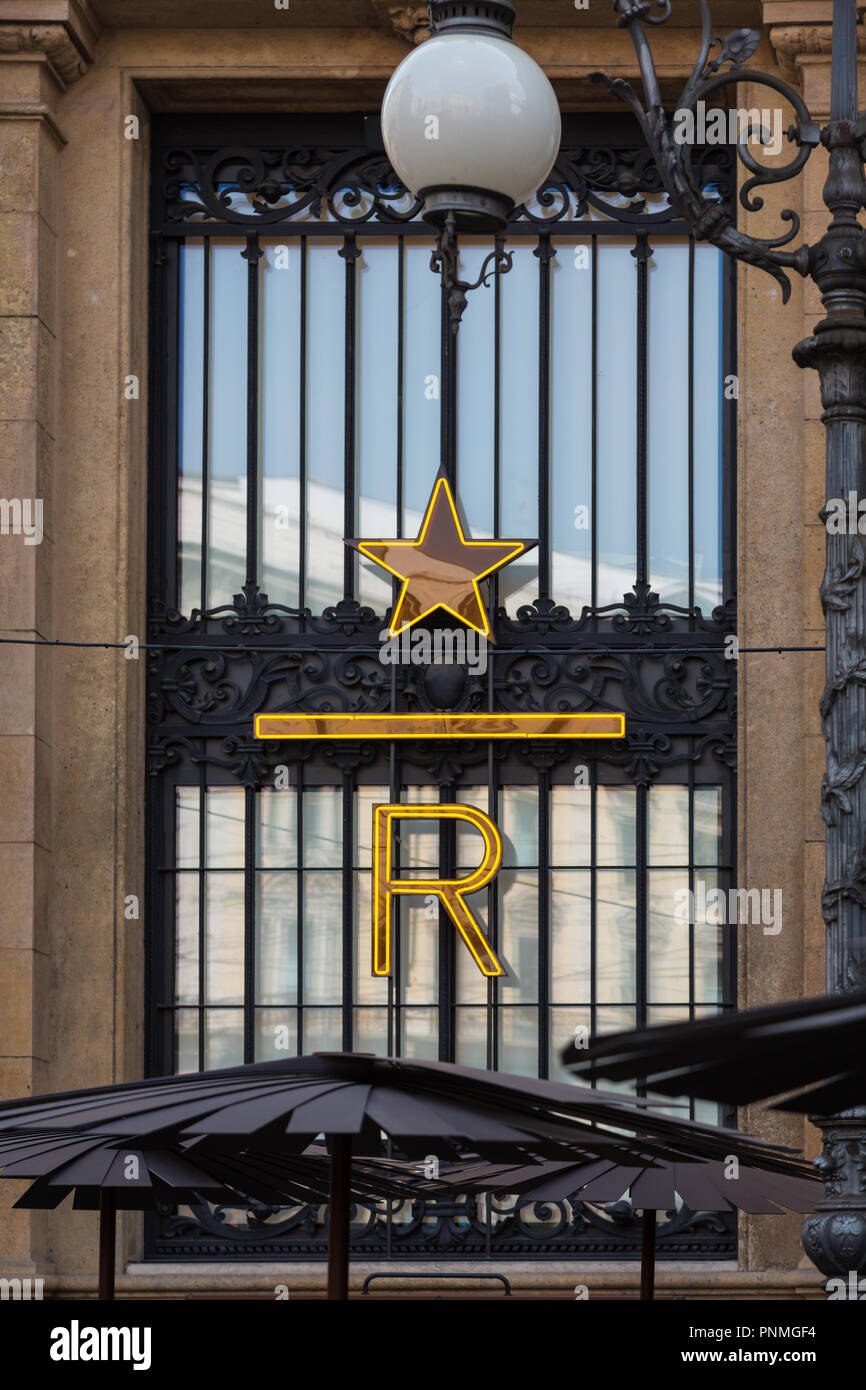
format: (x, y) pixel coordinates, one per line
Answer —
(216, 895)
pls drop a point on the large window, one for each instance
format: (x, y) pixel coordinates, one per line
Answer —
(305, 387)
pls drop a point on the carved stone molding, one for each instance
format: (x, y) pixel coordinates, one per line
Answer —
(409, 22)
(66, 49)
(792, 41)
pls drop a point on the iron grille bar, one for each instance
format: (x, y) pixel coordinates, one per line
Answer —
(348, 900)
(179, 231)
(642, 253)
(251, 812)
(202, 911)
(401, 367)
(544, 904)
(302, 433)
(252, 254)
(299, 860)
(691, 423)
(545, 252)
(205, 425)
(349, 251)
(594, 388)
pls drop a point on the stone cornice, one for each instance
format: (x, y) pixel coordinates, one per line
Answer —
(409, 22)
(63, 32)
(793, 41)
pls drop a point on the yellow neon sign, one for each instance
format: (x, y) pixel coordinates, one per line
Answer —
(450, 892)
(428, 726)
(441, 568)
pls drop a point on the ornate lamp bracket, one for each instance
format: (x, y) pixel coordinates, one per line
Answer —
(445, 258)
(680, 162)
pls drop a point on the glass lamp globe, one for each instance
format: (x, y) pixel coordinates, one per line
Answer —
(470, 122)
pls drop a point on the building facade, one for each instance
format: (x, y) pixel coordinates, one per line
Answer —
(224, 353)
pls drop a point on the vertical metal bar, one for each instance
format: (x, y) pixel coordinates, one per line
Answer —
(447, 934)
(350, 253)
(594, 516)
(339, 1214)
(648, 1256)
(492, 915)
(497, 431)
(252, 254)
(107, 1243)
(642, 253)
(728, 877)
(593, 904)
(493, 790)
(348, 905)
(164, 373)
(202, 911)
(641, 924)
(543, 923)
(448, 394)
(299, 860)
(302, 444)
(249, 924)
(394, 977)
(401, 366)
(691, 427)
(692, 900)
(728, 272)
(205, 428)
(843, 68)
(692, 883)
(545, 253)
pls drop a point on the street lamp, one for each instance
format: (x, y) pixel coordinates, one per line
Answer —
(471, 124)
(458, 194)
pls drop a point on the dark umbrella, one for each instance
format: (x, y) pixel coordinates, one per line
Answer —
(278, 1107)
(816, 1044)
(113, 1175)
(652, 1187)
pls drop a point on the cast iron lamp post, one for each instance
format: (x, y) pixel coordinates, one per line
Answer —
(475, 185)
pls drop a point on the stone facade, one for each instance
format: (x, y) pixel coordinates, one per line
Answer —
(73, 314)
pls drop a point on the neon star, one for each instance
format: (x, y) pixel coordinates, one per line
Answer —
(441, 568)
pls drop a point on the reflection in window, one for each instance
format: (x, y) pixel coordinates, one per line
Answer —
(582, 424)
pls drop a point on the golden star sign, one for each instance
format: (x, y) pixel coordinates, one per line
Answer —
(442, 567)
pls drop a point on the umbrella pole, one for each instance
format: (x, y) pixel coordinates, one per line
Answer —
(648, 1256)
(339, 1205)
(107, 1241)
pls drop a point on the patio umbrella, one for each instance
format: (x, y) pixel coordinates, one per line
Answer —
(113, 1175)
(813, 1048)
(652, 1187)
(279, 1107)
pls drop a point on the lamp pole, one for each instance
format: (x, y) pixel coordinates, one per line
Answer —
(835, 1236)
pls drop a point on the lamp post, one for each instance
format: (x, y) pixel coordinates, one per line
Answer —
(490, 158)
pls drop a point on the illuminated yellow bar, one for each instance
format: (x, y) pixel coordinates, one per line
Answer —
(394, 726)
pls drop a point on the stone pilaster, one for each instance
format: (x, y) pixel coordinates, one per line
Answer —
(37, 62)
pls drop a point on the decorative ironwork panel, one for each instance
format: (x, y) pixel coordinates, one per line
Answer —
(304, 388)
